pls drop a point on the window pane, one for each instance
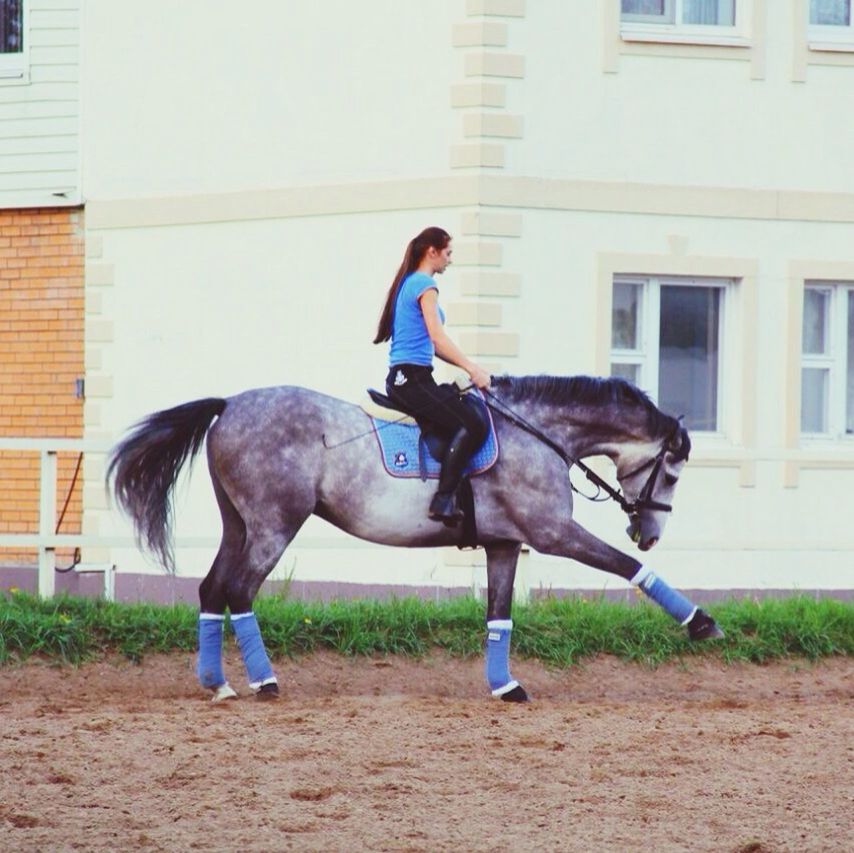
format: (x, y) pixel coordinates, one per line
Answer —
(624, 316)
(816, 316)
(830, 12)
(849, 376)
(11, 26)
(688, 357)
(627, 371)
(712, 12)
(643, 7)
(814, 382)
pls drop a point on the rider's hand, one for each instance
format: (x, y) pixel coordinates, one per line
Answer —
(480, 378)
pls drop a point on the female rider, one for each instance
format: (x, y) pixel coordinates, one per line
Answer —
(413, 321)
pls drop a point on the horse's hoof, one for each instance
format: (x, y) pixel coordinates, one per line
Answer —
(703, 627)
(223, 692)
(266, 692)
(517, 694)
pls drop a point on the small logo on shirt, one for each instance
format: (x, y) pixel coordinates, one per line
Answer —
(399, 378)
(400, 460)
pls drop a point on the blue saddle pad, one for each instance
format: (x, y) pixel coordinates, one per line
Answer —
(404, 454)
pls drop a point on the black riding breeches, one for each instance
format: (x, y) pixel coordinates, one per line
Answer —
(413, 387)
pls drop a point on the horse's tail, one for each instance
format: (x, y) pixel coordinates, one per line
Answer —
(146, 464)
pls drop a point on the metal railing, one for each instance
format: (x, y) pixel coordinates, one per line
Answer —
(47, 539)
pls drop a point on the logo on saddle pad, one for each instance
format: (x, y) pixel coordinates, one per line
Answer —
(400, 460)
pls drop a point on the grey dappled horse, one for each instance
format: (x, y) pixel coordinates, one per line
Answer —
(277, 455)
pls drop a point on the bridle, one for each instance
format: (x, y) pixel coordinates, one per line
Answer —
(644, 500)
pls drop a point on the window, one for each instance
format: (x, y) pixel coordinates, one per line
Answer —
(831, 26)
(827, 360)
(666, 338)
(12, 47)
(688, 21)
(716, 13)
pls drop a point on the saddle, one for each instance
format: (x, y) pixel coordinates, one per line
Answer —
(414, 447)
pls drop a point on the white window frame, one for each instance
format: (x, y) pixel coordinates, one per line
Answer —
(830, 37)
(669, 29)
(15, 67)
(835, 359)
(649, 321)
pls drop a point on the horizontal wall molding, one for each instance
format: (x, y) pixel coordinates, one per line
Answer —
(460, 190)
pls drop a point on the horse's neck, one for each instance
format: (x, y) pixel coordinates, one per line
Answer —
(590, 430)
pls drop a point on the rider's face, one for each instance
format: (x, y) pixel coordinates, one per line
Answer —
(440, 258)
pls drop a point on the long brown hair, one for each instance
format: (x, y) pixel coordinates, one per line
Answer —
(429, 238)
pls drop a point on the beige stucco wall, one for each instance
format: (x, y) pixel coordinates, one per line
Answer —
(208, 97)
(244, 218)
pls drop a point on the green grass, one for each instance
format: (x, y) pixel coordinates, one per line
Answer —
(557, 632)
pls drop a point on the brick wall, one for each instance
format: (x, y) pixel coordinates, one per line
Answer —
(41, 356)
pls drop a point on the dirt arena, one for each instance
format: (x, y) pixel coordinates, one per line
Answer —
(390, 754)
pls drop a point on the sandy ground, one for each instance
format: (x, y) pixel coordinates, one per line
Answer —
(390, 754)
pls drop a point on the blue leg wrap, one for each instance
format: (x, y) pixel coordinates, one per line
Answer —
(497, 664)
(673, 602)
(258, 668)
(209, 665)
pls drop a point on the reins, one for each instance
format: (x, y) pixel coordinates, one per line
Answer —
(631, 508)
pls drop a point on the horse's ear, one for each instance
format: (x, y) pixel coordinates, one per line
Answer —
(679, 444)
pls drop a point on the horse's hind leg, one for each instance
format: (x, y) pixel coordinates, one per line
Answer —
(501, 561)
(212, 599)
(268, 531)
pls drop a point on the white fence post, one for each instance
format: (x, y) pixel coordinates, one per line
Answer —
(47, 522)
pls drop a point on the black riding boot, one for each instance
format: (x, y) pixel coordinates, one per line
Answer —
(444, 507)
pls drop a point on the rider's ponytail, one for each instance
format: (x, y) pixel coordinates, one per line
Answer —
(435, 238)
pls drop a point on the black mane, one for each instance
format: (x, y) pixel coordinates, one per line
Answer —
(582, 390)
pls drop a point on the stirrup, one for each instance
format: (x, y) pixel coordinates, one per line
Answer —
(444, 508)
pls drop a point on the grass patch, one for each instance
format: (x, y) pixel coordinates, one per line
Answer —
(559, 632)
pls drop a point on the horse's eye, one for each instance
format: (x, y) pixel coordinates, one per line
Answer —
(670, 480)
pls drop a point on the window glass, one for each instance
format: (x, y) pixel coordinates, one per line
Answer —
(626, 371)
(709, 12)
(624, 316)
(814, 387)
(830, 12)
(688, 354)
(11, 26)
(643, 7)
(816, 316)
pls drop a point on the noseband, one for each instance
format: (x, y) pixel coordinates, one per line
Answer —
(644, 500)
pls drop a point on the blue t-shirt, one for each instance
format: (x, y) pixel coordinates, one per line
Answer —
(410, 341)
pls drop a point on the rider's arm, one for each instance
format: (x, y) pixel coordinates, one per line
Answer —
(445, 348)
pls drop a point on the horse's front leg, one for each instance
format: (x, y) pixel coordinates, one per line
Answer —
(579, 544)
(501, 562)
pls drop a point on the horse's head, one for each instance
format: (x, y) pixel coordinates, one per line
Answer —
(648, 475)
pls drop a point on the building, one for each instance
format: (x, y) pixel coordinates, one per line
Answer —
(657, 188)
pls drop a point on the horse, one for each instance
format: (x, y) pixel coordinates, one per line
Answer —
(278, 455)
